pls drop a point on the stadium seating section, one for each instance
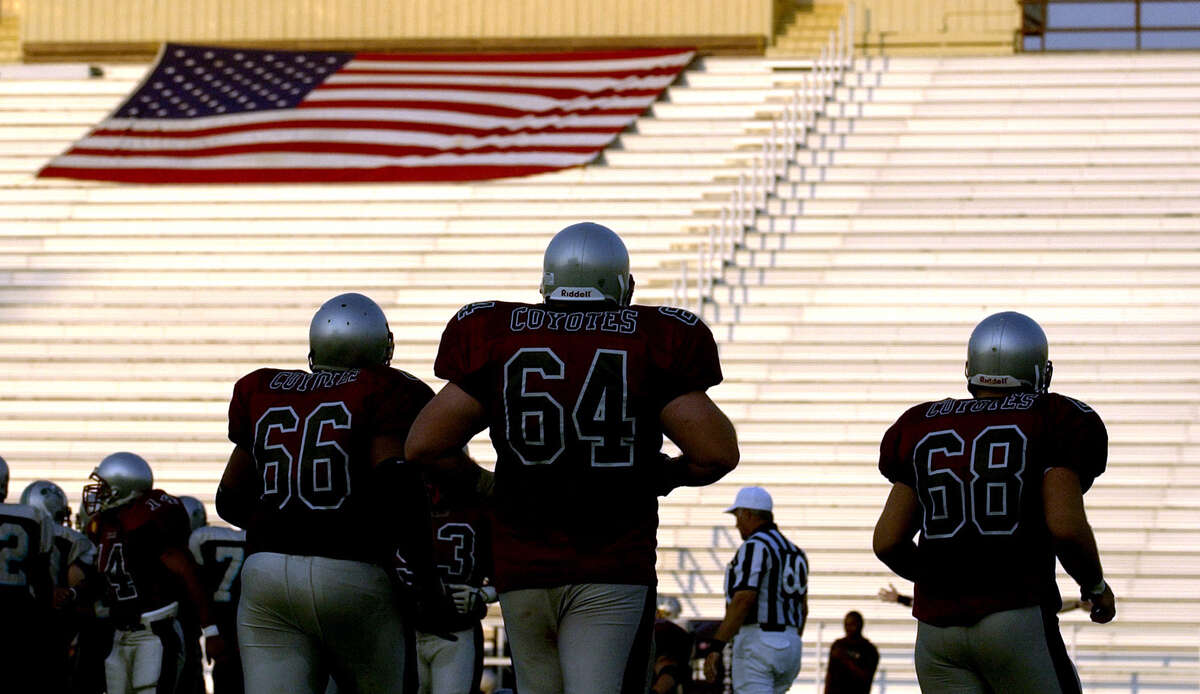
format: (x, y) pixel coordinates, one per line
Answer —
(933, 192)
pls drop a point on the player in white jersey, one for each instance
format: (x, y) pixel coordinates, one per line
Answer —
(26, 539)
(219, 552)
(72, 560)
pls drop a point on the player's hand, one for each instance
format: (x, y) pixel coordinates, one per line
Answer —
(712, 663)
(889, 594)
(465, 597)
(1104, 606)
(214, 647)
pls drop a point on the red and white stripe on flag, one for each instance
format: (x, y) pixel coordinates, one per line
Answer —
(221, 115)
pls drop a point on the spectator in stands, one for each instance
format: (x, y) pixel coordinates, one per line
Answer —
(852, 660)
(766, 601)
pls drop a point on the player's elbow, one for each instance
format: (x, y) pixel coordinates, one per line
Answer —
(233, 506)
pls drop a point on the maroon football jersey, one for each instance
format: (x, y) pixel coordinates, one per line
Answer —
(573, 399)
(462, 547)
(310, 435)
(977, 468)
(130, 541)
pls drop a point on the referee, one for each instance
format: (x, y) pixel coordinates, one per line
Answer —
(766, 602)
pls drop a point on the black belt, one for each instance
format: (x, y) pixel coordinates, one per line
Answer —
(776, 627)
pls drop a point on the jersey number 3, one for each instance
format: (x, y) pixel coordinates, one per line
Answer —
(991, 498)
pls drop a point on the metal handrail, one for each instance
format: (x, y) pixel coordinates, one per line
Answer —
(757, 182)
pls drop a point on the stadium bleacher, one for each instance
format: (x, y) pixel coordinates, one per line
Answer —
(934, 192)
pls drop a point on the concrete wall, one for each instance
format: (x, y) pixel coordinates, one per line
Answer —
(132, 28)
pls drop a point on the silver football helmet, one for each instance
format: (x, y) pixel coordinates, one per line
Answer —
(587, 262)
(118, 479)
(195, 510)
(668, 607)
(3, 480)
(50, 498)
(1008, 351)
(348, 331)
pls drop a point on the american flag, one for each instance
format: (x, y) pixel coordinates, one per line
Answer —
(225, 115)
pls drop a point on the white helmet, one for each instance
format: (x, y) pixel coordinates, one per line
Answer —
(587, 262)
(195, 510)
(119, 478)
(50, 498)
(1008, 350)
(347, 332)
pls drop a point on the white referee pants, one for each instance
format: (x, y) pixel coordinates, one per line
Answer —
(765, 662)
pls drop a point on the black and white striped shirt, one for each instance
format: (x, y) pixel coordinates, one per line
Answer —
(769, 563)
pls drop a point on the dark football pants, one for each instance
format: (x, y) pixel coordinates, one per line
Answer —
(450, 667)
(588, 638)
(1010, 652)
(302, 619)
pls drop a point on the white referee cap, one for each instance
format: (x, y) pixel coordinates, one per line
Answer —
(754, 498)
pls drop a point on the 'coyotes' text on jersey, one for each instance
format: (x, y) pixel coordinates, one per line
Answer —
(573, 399)
(130, 541)
(977, 467)
(310, 435)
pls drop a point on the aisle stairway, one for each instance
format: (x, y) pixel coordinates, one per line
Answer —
(941, 191)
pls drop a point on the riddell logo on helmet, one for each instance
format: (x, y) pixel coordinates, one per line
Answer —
(575, 293)
(993, 381)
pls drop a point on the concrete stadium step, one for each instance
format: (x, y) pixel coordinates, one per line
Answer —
(983, 190)
(1031, 221)
(1131, 314)
(1001, 109)
(997, 173)
(1006, 140)
(1011, 206)
(942, 154)
(951, 77)
(1147, 241)
(1039, 93)
(446, 196)
(301, 229)
(781, 331)
(1076, 62)
(1023, 123)
(1031, 298)
(935, 259)
(495, 209)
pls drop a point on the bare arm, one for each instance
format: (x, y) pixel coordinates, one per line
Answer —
(899, 522)
(239, 488)
(704, 435)
(1074, 542)
(179, 563)
(442, 428)
(735, 616)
